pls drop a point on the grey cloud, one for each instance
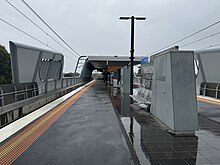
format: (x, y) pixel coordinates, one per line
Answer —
(93, 27)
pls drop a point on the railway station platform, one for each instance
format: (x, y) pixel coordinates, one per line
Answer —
(82, 130)
(95, 125)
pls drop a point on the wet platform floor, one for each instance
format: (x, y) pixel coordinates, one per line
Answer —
(153, 143)
(88, 133)
(92, 132)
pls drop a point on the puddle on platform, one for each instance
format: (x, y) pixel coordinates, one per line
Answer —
(154, 145)
(132, 127)
(133, 130)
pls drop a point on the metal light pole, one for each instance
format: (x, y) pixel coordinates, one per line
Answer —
(132, 47)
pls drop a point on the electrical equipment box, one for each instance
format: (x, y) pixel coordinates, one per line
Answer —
(173, 91)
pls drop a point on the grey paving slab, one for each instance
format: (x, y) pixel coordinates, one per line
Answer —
(160, 147)
(87, 134)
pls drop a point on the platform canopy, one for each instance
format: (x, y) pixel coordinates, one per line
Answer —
(111, 62)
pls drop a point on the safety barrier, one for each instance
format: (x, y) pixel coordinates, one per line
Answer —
(12, 93)
(17, 100)
(210, 89)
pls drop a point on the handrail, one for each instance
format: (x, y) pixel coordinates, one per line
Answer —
(204, 90)
(9, 93)
(25, 92)
(16, 105)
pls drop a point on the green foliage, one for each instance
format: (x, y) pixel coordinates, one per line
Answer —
(5, 66)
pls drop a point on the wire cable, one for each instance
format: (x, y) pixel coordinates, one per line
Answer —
(199, 31)
(200, 39)
(49, 27)
(31, 36)
(208, 47)
(37, 26)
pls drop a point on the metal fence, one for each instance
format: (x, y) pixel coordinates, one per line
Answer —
(68, 81)
(11, 93)
(210, 89)
(17, 100)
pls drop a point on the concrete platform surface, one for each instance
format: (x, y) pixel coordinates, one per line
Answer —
(88, 133)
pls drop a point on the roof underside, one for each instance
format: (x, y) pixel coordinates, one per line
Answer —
(102, 62)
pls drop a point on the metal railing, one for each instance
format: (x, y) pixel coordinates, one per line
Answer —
(11, 93)
(210, 89)
(17, 100)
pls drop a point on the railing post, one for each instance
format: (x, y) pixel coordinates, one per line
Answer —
(2, 96)
(216, 91)
(62, 83)
(26, 92)
(204, 90)
(33, 92)
(15, 93)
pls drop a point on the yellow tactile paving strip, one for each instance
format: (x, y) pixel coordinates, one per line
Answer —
(208, 101)
(11, 150)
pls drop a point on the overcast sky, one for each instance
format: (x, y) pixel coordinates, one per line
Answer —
(92, 27)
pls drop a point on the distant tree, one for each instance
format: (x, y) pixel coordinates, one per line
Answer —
(5, 66)
(71, 74)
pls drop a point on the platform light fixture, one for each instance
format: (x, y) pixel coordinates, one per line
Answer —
(132, 18)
